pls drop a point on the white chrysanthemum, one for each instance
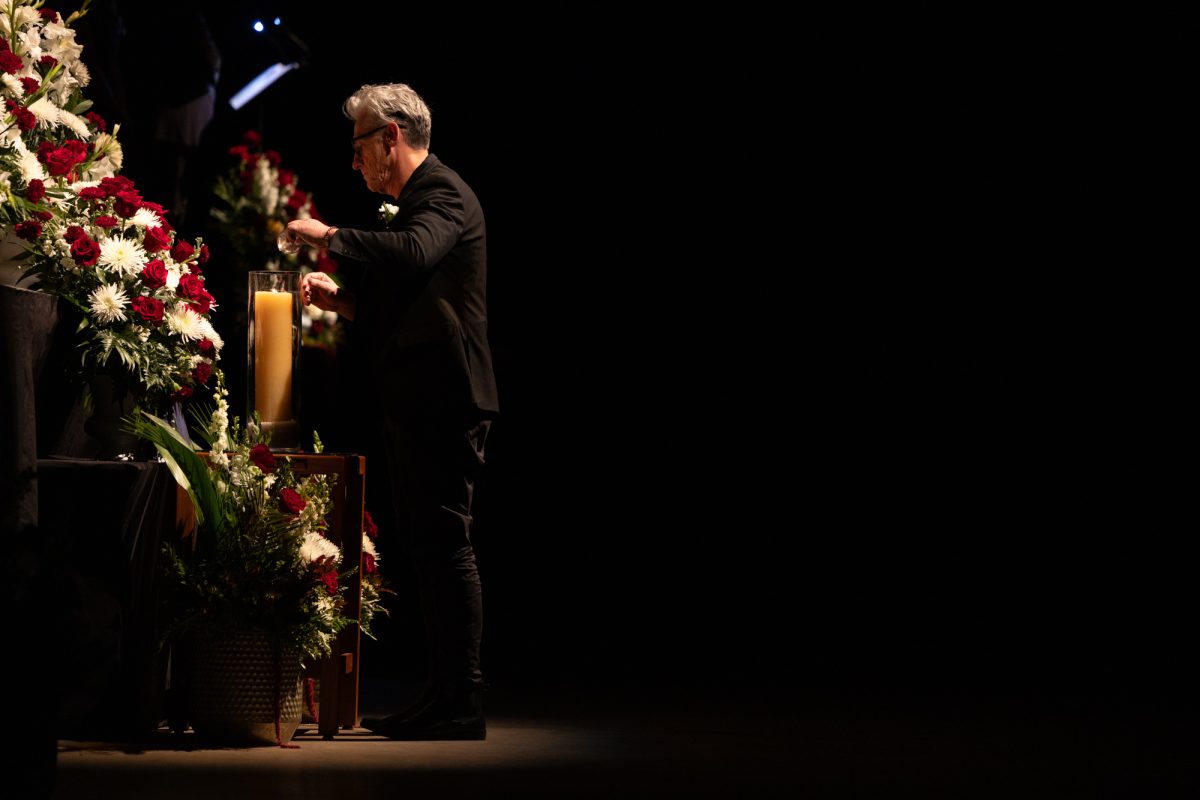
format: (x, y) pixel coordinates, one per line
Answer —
(77, 125)
(108, 303)
(317, 546)
(28, 162)
(47, 113)
(145, 218)
(268, 482)
(123, 255)
(81, 74)
(369, 547)
(211, 334)
(184, 321)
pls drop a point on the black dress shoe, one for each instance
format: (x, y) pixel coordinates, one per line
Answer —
(427, 696)
(453, 715)
(431, 730)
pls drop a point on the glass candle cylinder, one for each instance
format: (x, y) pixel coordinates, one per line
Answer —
(273, 355)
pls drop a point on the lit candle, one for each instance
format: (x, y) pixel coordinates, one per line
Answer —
(273, 355)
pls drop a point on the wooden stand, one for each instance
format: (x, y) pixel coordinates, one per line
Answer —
(339, 671)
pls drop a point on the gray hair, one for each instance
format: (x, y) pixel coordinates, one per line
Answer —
(393, 102)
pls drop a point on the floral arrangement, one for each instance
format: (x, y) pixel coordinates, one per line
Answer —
(259, 557)
(88, 235)
(257, 199)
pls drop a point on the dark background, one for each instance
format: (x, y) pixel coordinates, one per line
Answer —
(713, 469)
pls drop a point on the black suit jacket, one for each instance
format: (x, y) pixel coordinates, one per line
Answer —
(421, 317)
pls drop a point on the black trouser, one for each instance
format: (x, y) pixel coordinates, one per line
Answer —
(434, 462)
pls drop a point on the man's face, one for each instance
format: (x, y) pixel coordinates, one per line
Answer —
(370, 156)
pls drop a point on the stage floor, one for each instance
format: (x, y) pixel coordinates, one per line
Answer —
(746, 744)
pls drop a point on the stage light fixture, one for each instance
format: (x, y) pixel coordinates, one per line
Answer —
(262, 81)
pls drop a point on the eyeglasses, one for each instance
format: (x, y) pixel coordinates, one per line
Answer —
(368, 133)
(358, 147)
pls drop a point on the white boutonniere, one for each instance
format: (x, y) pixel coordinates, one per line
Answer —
(387, 212)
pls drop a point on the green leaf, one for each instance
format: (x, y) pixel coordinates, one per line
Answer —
(190, 471)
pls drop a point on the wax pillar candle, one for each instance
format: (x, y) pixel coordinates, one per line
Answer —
(273, 355)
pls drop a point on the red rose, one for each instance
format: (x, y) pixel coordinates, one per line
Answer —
(154, 274)
(207, 348)
(182, 251)
(291, 501)
(85, 251)
(29, 230)
(252, 139)
(369, 526)
(115, 185)
(30, 85)
(61, 160)
(92, 193)
(74, 233)
(260, 456)
(203, 254)
(368, 563)
(183, 393)
(96, 120)
(202, 303)
(327, 571)
(58, 160)
(297, 200)
(190, 286)
(149, 309)
(202, 372)
(106, 221)
(78, 148)
(127, 202)
(156, 239)
(272, 157)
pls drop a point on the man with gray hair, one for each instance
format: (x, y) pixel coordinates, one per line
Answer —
(419, 325)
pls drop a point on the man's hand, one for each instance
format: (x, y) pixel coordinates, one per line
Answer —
(318, 289)
(310, 231)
